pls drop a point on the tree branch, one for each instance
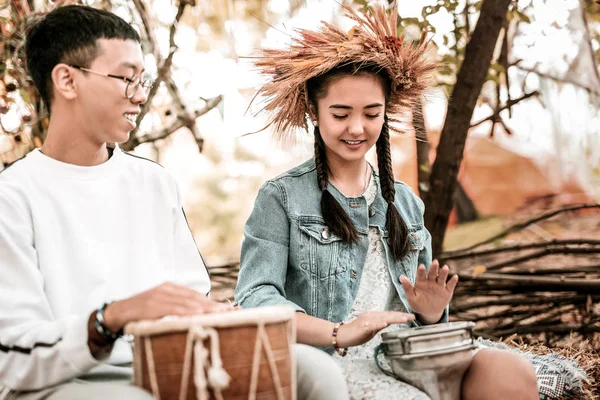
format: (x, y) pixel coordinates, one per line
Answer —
(533, 281)
(508, 104)
(521, 247)
(180, 122)
(588, 41)
(521, 225)
(523, 301)
(557, 79)
(142, 10)
(554, 328)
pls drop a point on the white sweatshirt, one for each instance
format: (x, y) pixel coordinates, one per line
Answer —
(72, 238)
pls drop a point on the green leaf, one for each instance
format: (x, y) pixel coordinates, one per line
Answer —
(25, 95)
(497, 68)
(411, 21)
(492, 77)
(523, 17)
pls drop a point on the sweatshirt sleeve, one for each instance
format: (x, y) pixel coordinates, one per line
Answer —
(190, 269)
(36, 350)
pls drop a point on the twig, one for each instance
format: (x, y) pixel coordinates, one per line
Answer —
(142, 10)
(543, 253)
(557, 79)
(554, 328)
(588, 41)
(180, 122)
(164, 68)
(508, 104)
(520, 226)
(520, 247)
(586, 269)
(521, 300)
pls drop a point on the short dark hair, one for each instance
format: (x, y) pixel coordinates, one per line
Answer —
(69, 35)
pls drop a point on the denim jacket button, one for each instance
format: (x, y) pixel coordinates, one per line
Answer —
(325, 234)
(353, 274)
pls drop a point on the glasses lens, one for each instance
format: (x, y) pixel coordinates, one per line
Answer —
(147, 84)
(132, 86)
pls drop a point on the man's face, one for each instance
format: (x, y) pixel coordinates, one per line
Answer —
(106, 114)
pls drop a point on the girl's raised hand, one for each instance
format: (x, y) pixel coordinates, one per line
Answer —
(430, 294)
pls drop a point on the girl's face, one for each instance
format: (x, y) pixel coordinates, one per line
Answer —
(350, 117)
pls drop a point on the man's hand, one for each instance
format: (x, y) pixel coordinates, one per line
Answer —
(166, 299)
(430, 294)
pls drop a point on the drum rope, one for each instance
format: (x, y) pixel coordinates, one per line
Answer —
(255, 368)
(137, 363)
(263, 339)
(151, 368)
(216, 377)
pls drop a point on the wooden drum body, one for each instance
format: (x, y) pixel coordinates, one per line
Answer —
(244, 354)
(433, 358)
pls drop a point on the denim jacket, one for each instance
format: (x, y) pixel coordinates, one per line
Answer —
(289, 257)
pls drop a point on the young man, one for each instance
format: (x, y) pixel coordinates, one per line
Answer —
(83, 224)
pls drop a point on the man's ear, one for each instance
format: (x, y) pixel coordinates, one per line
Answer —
(63, 81)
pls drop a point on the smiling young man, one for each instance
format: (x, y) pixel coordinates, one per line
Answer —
(92, 238)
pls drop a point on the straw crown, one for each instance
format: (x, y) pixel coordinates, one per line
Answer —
(372, 42)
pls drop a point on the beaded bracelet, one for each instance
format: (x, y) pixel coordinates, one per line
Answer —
(341, 352)
(101, 328)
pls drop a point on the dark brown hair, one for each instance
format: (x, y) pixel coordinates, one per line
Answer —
(69, 35)
(333, 213)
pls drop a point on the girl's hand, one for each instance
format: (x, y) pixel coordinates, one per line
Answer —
(430, 294)
(365, 327)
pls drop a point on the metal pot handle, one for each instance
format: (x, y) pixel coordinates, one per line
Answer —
(379, 350)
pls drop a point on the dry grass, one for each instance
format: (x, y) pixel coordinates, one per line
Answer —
(579, 351)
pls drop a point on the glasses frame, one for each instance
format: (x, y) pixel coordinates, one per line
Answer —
(136, 80)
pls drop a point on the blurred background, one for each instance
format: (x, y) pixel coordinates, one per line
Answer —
(534, 128)
(506, 147)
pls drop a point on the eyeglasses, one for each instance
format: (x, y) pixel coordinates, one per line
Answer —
(133, 83)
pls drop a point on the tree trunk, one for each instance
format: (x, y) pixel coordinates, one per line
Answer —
(423, 164)
(470, 80)
(465, 209)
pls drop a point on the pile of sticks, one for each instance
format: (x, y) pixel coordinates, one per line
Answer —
(545, 289)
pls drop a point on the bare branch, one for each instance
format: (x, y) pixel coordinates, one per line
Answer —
(142, 10)
(523, 301)
(544, 253)
(588, 40)
(557, 79)
(521, 225)
(520, 247)
(181, 121)
(533, 281)
(508, 104)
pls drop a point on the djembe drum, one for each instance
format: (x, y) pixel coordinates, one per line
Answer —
(244, 354)
(433, 358)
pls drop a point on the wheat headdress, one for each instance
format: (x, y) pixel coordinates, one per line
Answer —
(372, 42)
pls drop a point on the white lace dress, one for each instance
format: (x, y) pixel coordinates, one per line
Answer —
(375, 293)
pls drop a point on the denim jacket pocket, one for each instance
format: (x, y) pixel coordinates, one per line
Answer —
(417, 239)
(321, 251)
